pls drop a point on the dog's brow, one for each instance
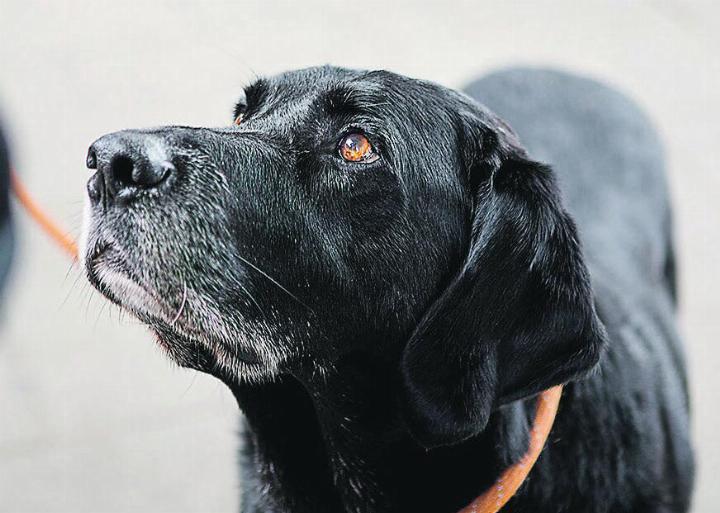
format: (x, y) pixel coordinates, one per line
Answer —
(339, 100)
(345, 99)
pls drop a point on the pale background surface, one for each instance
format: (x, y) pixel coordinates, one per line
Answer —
(93, 418)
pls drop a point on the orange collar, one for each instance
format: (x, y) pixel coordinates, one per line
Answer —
(491, 501)
(36, 212)
(510, 480)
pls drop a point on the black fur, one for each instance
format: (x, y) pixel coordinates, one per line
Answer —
(385, 326)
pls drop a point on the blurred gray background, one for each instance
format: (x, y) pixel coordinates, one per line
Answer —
(93, 418)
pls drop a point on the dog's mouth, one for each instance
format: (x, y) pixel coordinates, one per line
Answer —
(93, 263)
(111, 275)
(99, 249)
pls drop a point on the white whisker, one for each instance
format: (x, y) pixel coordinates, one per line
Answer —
(182, 305)
(275, 282)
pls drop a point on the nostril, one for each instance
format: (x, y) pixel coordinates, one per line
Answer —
(152, 173)
(91, 159)
(121, 169)
(129, 165)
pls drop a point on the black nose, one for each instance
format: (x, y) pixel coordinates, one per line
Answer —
(127, 164)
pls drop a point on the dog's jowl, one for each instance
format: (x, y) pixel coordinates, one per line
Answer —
(386, 273)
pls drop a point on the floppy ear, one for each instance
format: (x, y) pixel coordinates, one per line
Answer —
(519, 316)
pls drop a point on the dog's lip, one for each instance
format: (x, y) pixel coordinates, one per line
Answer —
(94, 265)
(95, 261)
(98, 250)
(114, 263)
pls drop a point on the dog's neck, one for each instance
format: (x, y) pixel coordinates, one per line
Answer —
(333, 441)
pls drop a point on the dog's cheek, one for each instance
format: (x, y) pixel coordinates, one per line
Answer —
(375, 212)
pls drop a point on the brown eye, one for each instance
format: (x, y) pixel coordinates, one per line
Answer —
(238, 119)
(355, 147)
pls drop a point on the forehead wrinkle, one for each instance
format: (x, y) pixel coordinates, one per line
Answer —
(353, 97)
(346, 98)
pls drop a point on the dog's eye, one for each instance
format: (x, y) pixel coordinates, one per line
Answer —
(355, 147)
(238, 119)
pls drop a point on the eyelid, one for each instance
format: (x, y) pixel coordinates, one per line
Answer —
(366, 125)
(359, 128)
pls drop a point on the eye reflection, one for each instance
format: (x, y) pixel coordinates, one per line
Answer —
(355, 147)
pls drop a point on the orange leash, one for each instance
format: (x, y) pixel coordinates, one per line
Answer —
(41, 218)
(508, 483)
(491, 501)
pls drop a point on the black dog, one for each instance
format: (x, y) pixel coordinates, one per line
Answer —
(385, 278)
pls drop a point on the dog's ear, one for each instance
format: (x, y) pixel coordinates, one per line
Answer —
(518, 317)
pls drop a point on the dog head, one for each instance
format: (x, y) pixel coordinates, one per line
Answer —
(343, 212)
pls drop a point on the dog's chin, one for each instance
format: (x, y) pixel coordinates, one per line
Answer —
(231, 364)
(114, 282)
(203, 349)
